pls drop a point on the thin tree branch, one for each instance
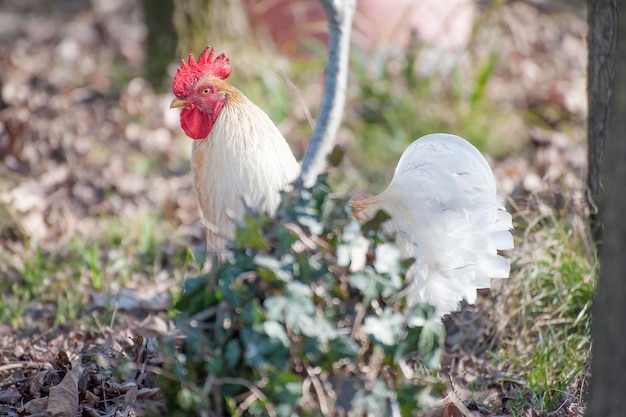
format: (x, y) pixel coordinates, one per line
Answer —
(340, 14)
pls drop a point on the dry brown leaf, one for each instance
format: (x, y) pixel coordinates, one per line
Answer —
(36, 382)
(36, 406)
(63, 399)
(90, 398)
(9, 397)
(448, 410)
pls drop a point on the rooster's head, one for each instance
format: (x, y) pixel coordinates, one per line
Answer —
(197, 89)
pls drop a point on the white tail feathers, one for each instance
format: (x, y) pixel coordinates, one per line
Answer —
(446, 214)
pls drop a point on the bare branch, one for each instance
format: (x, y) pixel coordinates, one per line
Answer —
(340, 14)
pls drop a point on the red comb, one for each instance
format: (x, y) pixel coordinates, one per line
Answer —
(190, 72)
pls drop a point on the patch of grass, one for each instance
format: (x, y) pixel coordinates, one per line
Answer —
(40, 282)
(544, 314)
(270, 92)
(396, 104)
(53, 285)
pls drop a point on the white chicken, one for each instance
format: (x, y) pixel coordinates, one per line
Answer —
(446, 215)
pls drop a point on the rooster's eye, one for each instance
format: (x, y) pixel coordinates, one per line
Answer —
(206, 91)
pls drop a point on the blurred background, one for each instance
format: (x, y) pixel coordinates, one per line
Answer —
(94, 174)
(95, 190)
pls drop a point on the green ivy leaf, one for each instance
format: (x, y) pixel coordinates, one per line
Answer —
(373, 285)
(271, 269)
(413, 399)
(342, 347)
(309, 268)
(248, 235)
(296, 308)
(431, 343)
(283, 237)
(284, 388)
(233, 290)
(261, 351)
(366, 281)
(252, 313)
(276, 330)
(425, 336)
(215, 364)
(232, 354)
(386, 330)
(308, 218)
(372, 403)
(195, 297)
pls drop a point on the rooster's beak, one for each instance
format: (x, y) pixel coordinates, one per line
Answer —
(178, 102)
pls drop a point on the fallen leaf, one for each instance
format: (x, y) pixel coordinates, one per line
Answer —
(63, 399)
(90, 398)
(36, 406)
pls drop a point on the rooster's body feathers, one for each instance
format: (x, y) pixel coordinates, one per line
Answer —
(230, 173)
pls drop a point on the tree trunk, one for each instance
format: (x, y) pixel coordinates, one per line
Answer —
(220, 23)
(602, 42)
(608, 378)
(160, 41)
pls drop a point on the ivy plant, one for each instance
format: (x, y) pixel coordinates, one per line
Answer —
(305, 316)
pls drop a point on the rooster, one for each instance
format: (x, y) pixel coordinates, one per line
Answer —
(442, 200)
(239, 158)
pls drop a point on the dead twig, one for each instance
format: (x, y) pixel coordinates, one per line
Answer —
(319, 390)
(22, 365)
(255, 393)
(298, 97)
(454, 399)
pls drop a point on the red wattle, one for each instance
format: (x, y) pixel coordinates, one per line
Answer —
(196, 124)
